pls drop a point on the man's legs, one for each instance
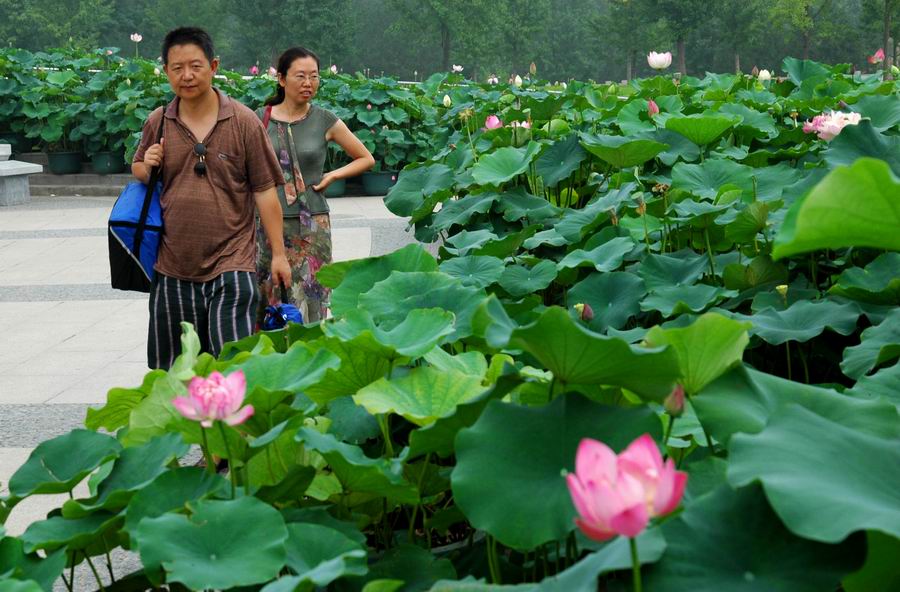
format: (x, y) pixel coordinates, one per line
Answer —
(231, 308)
(171, 302)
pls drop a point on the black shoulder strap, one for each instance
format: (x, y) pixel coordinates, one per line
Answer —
(151, 186)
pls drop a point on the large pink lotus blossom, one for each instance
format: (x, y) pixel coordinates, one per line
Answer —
(652, 108)
(492, 122)
(618, 495)
(217, 398)
(659, 61)
(827, 127)
(877, 57)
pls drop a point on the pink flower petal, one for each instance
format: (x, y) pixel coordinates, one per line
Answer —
(595, 461)
(185, 407)
(240, 417)
(632, 521)
(674, 498)
(594, 532)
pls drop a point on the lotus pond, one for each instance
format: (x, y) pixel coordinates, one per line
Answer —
(688, 269)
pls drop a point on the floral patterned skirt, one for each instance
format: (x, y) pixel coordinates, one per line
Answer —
(307, 243)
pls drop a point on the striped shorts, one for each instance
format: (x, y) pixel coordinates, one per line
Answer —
(222, 309)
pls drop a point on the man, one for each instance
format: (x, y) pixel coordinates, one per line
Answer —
(217, 164)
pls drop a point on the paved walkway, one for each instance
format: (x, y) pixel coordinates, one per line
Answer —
(66, 337)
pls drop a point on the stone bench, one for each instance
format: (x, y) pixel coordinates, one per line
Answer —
(14, 188)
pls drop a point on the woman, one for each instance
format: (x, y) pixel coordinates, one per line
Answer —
(300, 132)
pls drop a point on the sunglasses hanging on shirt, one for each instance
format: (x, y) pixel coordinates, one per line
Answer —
(200, 167)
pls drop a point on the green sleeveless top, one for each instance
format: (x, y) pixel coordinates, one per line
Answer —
(301, 146)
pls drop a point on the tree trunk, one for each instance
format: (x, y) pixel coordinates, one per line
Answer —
(737, 62)
(806, 41)
(890, 57)
(445, 47)
(629, 65)
(681, 62)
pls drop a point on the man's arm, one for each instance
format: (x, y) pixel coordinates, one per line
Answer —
(271, 218)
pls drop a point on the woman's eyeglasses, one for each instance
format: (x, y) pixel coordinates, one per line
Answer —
(200, 167)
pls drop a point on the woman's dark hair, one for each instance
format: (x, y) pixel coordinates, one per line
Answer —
(284, 64)
(188, 36)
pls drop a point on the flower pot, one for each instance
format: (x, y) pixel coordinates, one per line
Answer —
(378, 183)
(108, 163)
(337, 188)
(64, 163)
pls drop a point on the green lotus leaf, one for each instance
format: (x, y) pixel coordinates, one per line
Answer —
(59, 464)
(774, 182)
(705, 179)
(222, 544)
(744, 400)
(135, 468)
(881, 569)
(365, 273)
(363, 360)
(357, 472)
(503, 164)
(293, 371)
(516, 205)
(318, 555)
(749, 223)
(171, 491)
(467, 241)
(417, 568)
(675, 269)
(761, 124)
(854, 206)
(880, 344)
(732, 541)
(706, 348)
(438, 438)
(560, 160)
(474, 270)
(537, 444)
(507, 246)
(629, 118)
(577, 355)
(422, 396)
(679, 147)
(762, 271)
(14, 585)
(350, 422)
(119, 404)
(864, 141)
(319, 515)
(392, 300)
(672, 300)
(801, 70)
(701, 129)
(841, 469)
(884, 385)
(155, 414)
(882, 110)
(520, 280)
(613, 297)
(700, 213)
(878, 283)
(183, 367)
(471, 363)
(545, 237)
(368, 118)
(576, 223)
(14, 563)
(460, 211)
(57, 532)
(621, 151)
(802, 321)
(607, 257)
(417, 333)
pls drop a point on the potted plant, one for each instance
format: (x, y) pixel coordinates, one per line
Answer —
(52, 105)
(335, 159)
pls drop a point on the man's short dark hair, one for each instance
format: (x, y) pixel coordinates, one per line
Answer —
(188, 36)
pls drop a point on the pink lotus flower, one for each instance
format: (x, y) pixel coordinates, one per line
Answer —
(457, 68)
(584, 311)
(877, 57)
(273, 72)
(333, 68)
(137, 37)
(217, 398)
(492, 79)
(827, 127)
(524, 124)
(492, 122)
(618, 495)
(652, 108)
(369, 106)
(254, 70)
(659, 61)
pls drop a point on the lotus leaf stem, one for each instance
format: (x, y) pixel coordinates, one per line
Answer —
(635, 566)
(232, 469)
(787, 353)
(210, 465)
(94, 570)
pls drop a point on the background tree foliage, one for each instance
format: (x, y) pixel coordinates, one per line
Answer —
(596, 39)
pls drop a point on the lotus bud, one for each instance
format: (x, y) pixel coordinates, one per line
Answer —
(273, 72)
(611, 89)
(674, 403)
(564, 85)
(156, 72)
(492, 122)
(782, 290)
(333, 68)
(659, 61)
(254, 70)
(652, 108)
(764, 76)
(369, 107)
(754, 72)
(447, 102)
(532, 69)
(585, 312)
(109, 52)
(517, 81)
